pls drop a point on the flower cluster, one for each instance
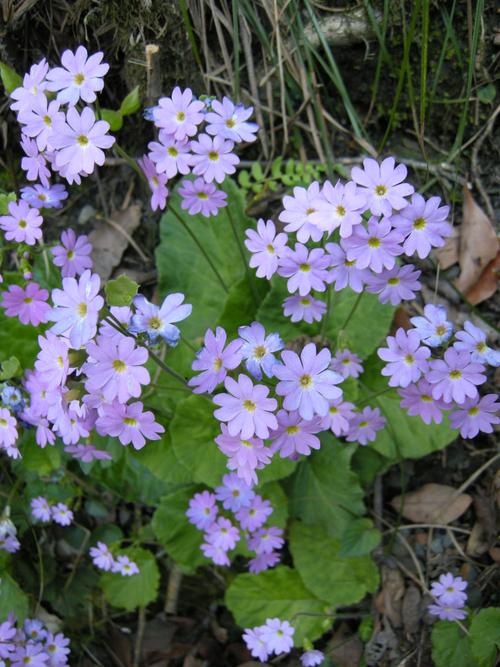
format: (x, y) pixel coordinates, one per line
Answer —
(104, 560)
(43, 510)
(450, 598)
(429, 386)
(376, 223)
(32, 644)
(249, 509)
(276, 636)
(185, 147)
(8, 534)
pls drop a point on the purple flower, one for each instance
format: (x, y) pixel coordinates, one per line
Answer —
(234, 493)
(33, 86)
(266, 540)
(52, 362)
(433, 328)
(306, 383)
(40, 120)
(201, 197)
(455, 377)
(29, 304)
(257, 349)
(8, 431)
(298, 212)
(263, 561)
(394, 285)
(202, 510)
(447, 612)
(338, 417)
(73, 255)
(222, 534)
(87, 453)
(305, 270)
(418, 401)
(158, 320)
(40, 196)
(424, 225)
(8, 632)
(35, 163)
(123, 314)
(343, 271)
(229, 121)
(304, 308)
(214, 361)
(294, 435)
(40, 509)
(61, 514)
(216, 554)
(255, 643)
(179, 115)
(23, 224)
(56, 649)
(80, 76)
(213, 158)
(347, 364)
(449, 590)
(29, 654)
(76, 308)
(157, 183)
(364, 425)
(406, 359)
(34, 629)
(9, 543)
(312, 658)
(128, 423)
(102, 557)
(383, 185)
(278, 635)
(375, 247)
(266, 247)
(476, 415)
(116, 369)
(80, 140)
(171, 157)
(124, 566)
(245, 456)
(254, 516)
(246, 408)
(473, 340)
(339, 206)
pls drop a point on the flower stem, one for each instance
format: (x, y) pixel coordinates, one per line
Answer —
(352, 311)
(132, 163)
(243, 258)
(201, 248)
(324, 324)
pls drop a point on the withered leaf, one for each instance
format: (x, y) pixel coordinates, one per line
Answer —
(111, 238)
(487, 283)
(448, 254)
(432, 503)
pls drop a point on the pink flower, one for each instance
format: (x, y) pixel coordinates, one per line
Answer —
(29, 304)
(305, 270)
(201, 197)
(376, 247)
(394, 285)
(266, 247)
(124, 566)
(406, 359)
(52, 362)
(35, 163)
(263, 561)
(40, 509)
(213, 158)
(128, 423)
(222, 534)
(424, 225)
(245, 456)
(246, 408)
(79, 77)
(87, 453)
(455, 377)
(157, 183)
(255, 515)
(343, 271)
(294, 435)
(347, 364)
(214, 361)
(298, 213)
(339, 206)
(202, 510)
(61, 514)
(73, 255)
(278, 635)
(306, 383)
(338, 417)
(179, 115)
(23, 224)
(170, 156)
(229, 121)
(234, 493)
(476, 415)
(39, 196)
(418, 401)
(266, 540)
(80, 141)
(382, 185)
(364, 425)
(304, 308)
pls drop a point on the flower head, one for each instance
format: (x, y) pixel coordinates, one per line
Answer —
(128, 423)
(80, 76)
(375, 247)
(266, 540)
(406, 358)
(312, 658)
(170, 157)
(418, 401)
(41, 196)
(234, 493)
(364, 425)
(158, 320)
(476, 415)
(29, 304)
(305, 270)
(222, 534)
(213, 158)
(40, 120)
(202, 510)
(34, 84)
(339, 207)
(73, 255)
(257, 349)
(278, 635)
(179, 115)
(35, 162)
(347, 364)
(61, 514)
(102, 557)
(473, 340)
(295, 436)
(254, 516)
(124, 566)
(157, 183)
(266, 247)
(230, 121)
(383, 185)
(455, 377)
(449, 590)
(214, 361)
(8, 430)
(338, 418)
(201, 197)
(305, 308)
(423, 223)
(343, 271)
(433, 327)
(40, 509)
(244, 456)
(394, 285)
(23, 224)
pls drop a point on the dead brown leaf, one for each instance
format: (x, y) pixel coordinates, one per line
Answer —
(111, 239)
(448, 254)
(487, 284)
(389, 600)
(401, 319)
(478, 243)
(476, 545)
(345, 648)
(432, 503)
(412, 612)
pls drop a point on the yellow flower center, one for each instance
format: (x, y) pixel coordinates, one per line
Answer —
(154, 181)
(22, 223)
(202, 195)
(3, 422)
(180, 116)
(172, 151)
(455, 374)
(119, 366)
(291, 430)
(305, 302)
(230, 122)
(213, 155)
(81, 309)
(473, 411)
(249, 405)
(270, 249)
(426, 398)
(259, 351)
(340, 210)
(217, 365)
(440, 329)
(82, 140)
(306, 381)
(481, 347)
(305, 268)
(374, 242)
(333, 410)
(380, 190)
(310, 210)
(47, 120)
(349, 262)
(154, 323)
(28, 299)
(60, 361)
(129, 421)
(247, 443)
(363, 424)
(393, 281)
(70, 254)
(409, 359)
(42, 197)
(419, 223)
(79, 79)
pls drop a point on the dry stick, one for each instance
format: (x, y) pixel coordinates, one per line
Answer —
(173, 588)
(141, 625)
(437, 526)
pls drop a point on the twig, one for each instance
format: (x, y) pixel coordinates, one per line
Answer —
(141, 625)
(173, 588)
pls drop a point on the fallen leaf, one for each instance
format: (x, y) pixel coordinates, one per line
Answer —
(448, 254)
(495, 554)
(111, 239)
(487, 284)
(476, 545)
(432, 503)
(389, 601)
(345, 649)
(478, 243)
(401, 319)
(411, 609)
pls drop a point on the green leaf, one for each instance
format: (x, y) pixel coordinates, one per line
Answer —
(10, 368)
(252, 598)
(139, 589)
(114, 118)
(180, 538)
(485, 636)
(12, 599)
(278, 469)
(244, 179)
(10, 78)
(486, 94)
(273, 492)
(193, 431)
(159, 457)
(450, 647)
(131, 103)
(120, 291)
(34, 458)
(242, 302)
(339, 580)
(257, 172)
(5, 200)
(18, 340)
(359, 538)
(324, 490)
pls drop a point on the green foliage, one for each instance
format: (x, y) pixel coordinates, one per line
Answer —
(12, 598)
(242, 302)
(359, 538)
(450, 646)
(34, 458)
(252, 598)
(485, 636)
(281, 174)
(340, 580)
(10, 78)
(139, 589)
(131, 102)
(10, 368)
(114, 118)
(18, 340)
(160, 459)
(120, 291)
(5, 199)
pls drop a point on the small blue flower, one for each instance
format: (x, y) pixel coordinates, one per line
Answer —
(257, 349)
